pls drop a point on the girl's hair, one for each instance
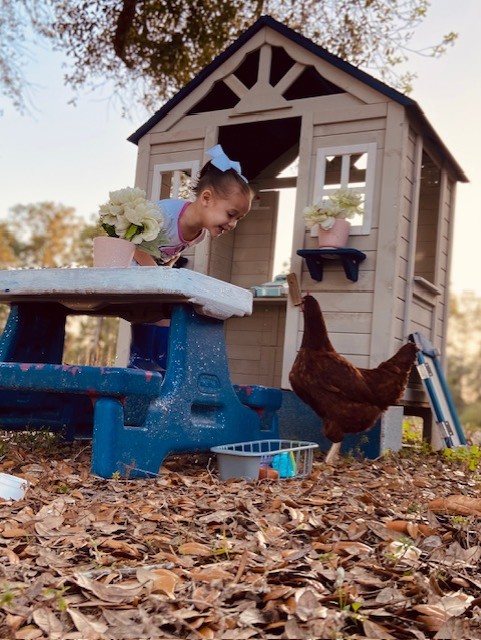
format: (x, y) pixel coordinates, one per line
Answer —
(210, 177)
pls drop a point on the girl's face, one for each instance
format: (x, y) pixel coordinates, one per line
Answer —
(222, 213)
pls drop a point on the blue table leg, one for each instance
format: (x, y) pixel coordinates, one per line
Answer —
(197, 408)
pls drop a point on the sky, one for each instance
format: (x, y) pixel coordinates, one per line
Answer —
(75, 155)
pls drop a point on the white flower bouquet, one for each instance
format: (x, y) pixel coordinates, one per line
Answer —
(341, 204)
(129, 215)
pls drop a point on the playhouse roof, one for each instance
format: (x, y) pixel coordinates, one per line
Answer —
(410, 105)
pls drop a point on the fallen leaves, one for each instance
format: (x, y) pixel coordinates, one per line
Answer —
(361, 549)
(458, 504)
(195, 549)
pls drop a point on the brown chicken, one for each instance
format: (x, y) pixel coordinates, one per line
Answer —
(348, 399)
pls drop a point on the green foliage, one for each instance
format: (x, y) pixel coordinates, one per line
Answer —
(411, 433)
(57, 595)
(38, 440)
(150, 49)
(7, 596)
(460, 522)
(467, 457)
(44, 234)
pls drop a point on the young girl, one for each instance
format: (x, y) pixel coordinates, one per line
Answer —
(222, 198)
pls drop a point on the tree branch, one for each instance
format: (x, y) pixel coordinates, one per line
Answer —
(124, 25)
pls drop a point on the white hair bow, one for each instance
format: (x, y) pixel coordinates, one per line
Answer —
(223, 162)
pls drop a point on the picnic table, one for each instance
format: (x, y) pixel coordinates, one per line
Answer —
(135, 417)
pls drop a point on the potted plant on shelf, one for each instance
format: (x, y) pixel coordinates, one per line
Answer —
(329, 218)
(131, 222)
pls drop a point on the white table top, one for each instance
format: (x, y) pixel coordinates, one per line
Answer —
(95, 289)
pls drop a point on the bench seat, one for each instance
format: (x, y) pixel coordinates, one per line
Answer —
(116, 382)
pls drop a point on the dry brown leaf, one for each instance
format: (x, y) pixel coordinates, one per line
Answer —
(435, 615)
(195, 549)
(308, 605)
(14, 532)
(29, 632)
(276, 593)
(49, 526)
(54, 508)
(459, 504)
(375, 631)
(207, 574)
(161, 580)
(49, 623)
(13, 622)
(457, 628)
(293, 631)
(432, 616)
(123, 593)
(352, 548)
(388, 595)
(120, 547)
(251, 616)
(413, 529)
(345, 547)
(90, 629)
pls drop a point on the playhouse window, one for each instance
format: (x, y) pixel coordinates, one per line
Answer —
(173, 180)
(350, 167)
(428, 219)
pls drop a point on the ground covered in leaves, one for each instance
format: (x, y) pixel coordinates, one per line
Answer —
(357, 550)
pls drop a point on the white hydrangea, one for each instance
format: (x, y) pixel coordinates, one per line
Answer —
(129, 215)
(343, 204)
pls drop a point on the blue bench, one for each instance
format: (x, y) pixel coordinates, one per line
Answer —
(141, 416)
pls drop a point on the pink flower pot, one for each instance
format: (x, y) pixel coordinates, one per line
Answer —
(113, 252)
(336, 237)
(144, 259)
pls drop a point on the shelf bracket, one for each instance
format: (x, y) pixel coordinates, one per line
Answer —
(315, 259)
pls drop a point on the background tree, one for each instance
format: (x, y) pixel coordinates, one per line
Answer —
(149, 49)
(463, 351)
(21, 21)
(41, 235)
(46, 234)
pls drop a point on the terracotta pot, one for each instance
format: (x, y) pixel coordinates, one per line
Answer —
(113, 252)
(336, 237)
(144, 259)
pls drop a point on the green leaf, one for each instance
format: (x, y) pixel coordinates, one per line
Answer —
(132, 230)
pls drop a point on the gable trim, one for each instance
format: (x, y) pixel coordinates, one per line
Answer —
(267, 21)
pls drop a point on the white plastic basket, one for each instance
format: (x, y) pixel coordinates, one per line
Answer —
(244, 459)
(12, 487)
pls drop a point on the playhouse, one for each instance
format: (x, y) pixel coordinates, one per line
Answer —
(275, 100)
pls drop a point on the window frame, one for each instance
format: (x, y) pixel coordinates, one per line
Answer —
(174, 168)
(370, 149)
